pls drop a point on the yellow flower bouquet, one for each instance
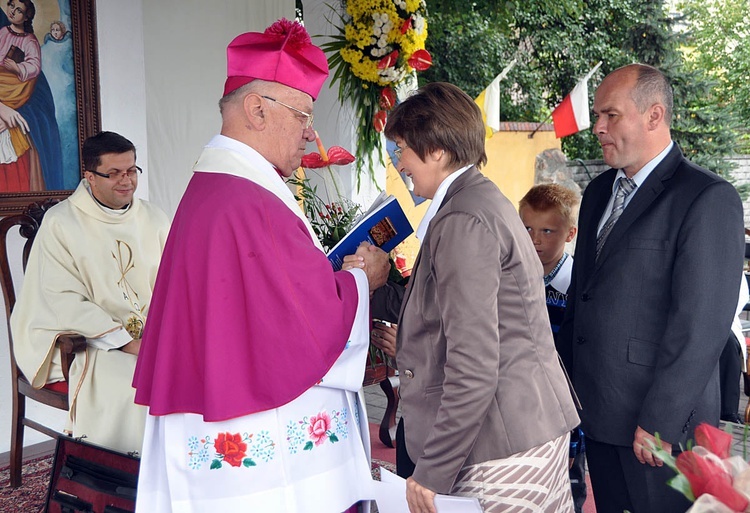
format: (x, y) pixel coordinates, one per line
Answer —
(379, 46)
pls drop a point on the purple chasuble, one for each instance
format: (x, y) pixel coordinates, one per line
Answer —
(246, 313)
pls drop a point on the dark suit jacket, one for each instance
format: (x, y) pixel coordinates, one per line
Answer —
(646, 323)
(480, 378)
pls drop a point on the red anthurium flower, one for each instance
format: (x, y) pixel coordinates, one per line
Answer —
(420, 60)
(379, 120)
(714, 439)
(387, 98)
(337, 156)
(705, 476)
(406, 26)
(389, 60)
(313, 161)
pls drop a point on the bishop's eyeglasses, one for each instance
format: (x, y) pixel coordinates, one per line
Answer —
(308, 121)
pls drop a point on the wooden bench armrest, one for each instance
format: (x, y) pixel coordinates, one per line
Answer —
(69, 345)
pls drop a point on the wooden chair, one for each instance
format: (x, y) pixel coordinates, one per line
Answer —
(55, 395)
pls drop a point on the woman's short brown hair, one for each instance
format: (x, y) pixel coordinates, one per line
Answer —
(440, 116)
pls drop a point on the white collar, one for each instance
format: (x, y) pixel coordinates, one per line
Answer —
(437, 199)
(643, 173)
(105, 208)
(271, 178)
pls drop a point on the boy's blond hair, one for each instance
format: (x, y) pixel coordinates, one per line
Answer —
(551, 196)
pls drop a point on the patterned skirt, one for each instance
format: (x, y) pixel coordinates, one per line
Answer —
(530, 481)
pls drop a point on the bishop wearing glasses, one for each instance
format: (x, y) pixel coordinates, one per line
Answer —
(255, 349)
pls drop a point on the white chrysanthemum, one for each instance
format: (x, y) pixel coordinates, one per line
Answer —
(418, 22)
(390, 74)
(378, 21)
(401, 4)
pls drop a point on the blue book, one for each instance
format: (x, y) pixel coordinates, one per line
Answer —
(385, 225)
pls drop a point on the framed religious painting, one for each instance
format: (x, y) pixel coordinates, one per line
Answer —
(49, 97)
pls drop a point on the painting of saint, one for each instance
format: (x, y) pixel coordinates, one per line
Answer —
(38, 120)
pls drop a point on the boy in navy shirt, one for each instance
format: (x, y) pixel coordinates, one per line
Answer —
(549, 213)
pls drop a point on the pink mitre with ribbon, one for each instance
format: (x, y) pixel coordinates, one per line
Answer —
(283, 53)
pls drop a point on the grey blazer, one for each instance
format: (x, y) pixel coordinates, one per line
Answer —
(646, 323)
(480, 378)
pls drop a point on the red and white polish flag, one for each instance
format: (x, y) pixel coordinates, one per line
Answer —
(572, 115)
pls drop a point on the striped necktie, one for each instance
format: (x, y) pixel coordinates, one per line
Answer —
(625, 186)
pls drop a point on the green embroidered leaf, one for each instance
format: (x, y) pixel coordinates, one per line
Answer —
(333, 438)
(248, 462)
(215, 464)
(308, 446)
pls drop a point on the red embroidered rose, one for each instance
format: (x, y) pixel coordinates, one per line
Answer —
(231, 447)
(706, 476)
(387, 98)
(379, 120)
(715, 440)
(420, 60)
(319, 426)
(389, 60)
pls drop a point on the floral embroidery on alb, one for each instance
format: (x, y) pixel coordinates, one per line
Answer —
(311, 432)
(251, 449)
(237, 450)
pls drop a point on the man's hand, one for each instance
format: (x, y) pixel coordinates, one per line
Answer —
(132, 347)
(375, 264)
(419, 498)
(384, 337)
(353, 262)
(642, 444)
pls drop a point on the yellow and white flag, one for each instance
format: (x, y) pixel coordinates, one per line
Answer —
(489, 101)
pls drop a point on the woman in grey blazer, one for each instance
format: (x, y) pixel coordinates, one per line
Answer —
(486, 407)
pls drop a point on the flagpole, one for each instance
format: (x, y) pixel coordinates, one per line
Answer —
(531, 135)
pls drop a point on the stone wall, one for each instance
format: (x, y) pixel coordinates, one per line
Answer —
(583, 171)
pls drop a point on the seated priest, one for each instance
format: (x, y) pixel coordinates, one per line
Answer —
(91, 272)
(255, 349)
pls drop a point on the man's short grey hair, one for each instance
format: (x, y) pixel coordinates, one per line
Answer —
(651, 86)
(256, 86)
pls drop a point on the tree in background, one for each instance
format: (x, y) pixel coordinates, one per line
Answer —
(718, 42)
(556, 43)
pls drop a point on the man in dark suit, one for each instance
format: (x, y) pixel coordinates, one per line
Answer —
(654, 289)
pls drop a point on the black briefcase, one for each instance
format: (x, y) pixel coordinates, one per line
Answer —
(87, 478)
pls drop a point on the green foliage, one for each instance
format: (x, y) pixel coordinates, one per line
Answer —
(718, 42)
(557, 42)
(330, 220)
(467, 50)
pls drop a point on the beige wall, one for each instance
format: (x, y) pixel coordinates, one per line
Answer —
(511, 158)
